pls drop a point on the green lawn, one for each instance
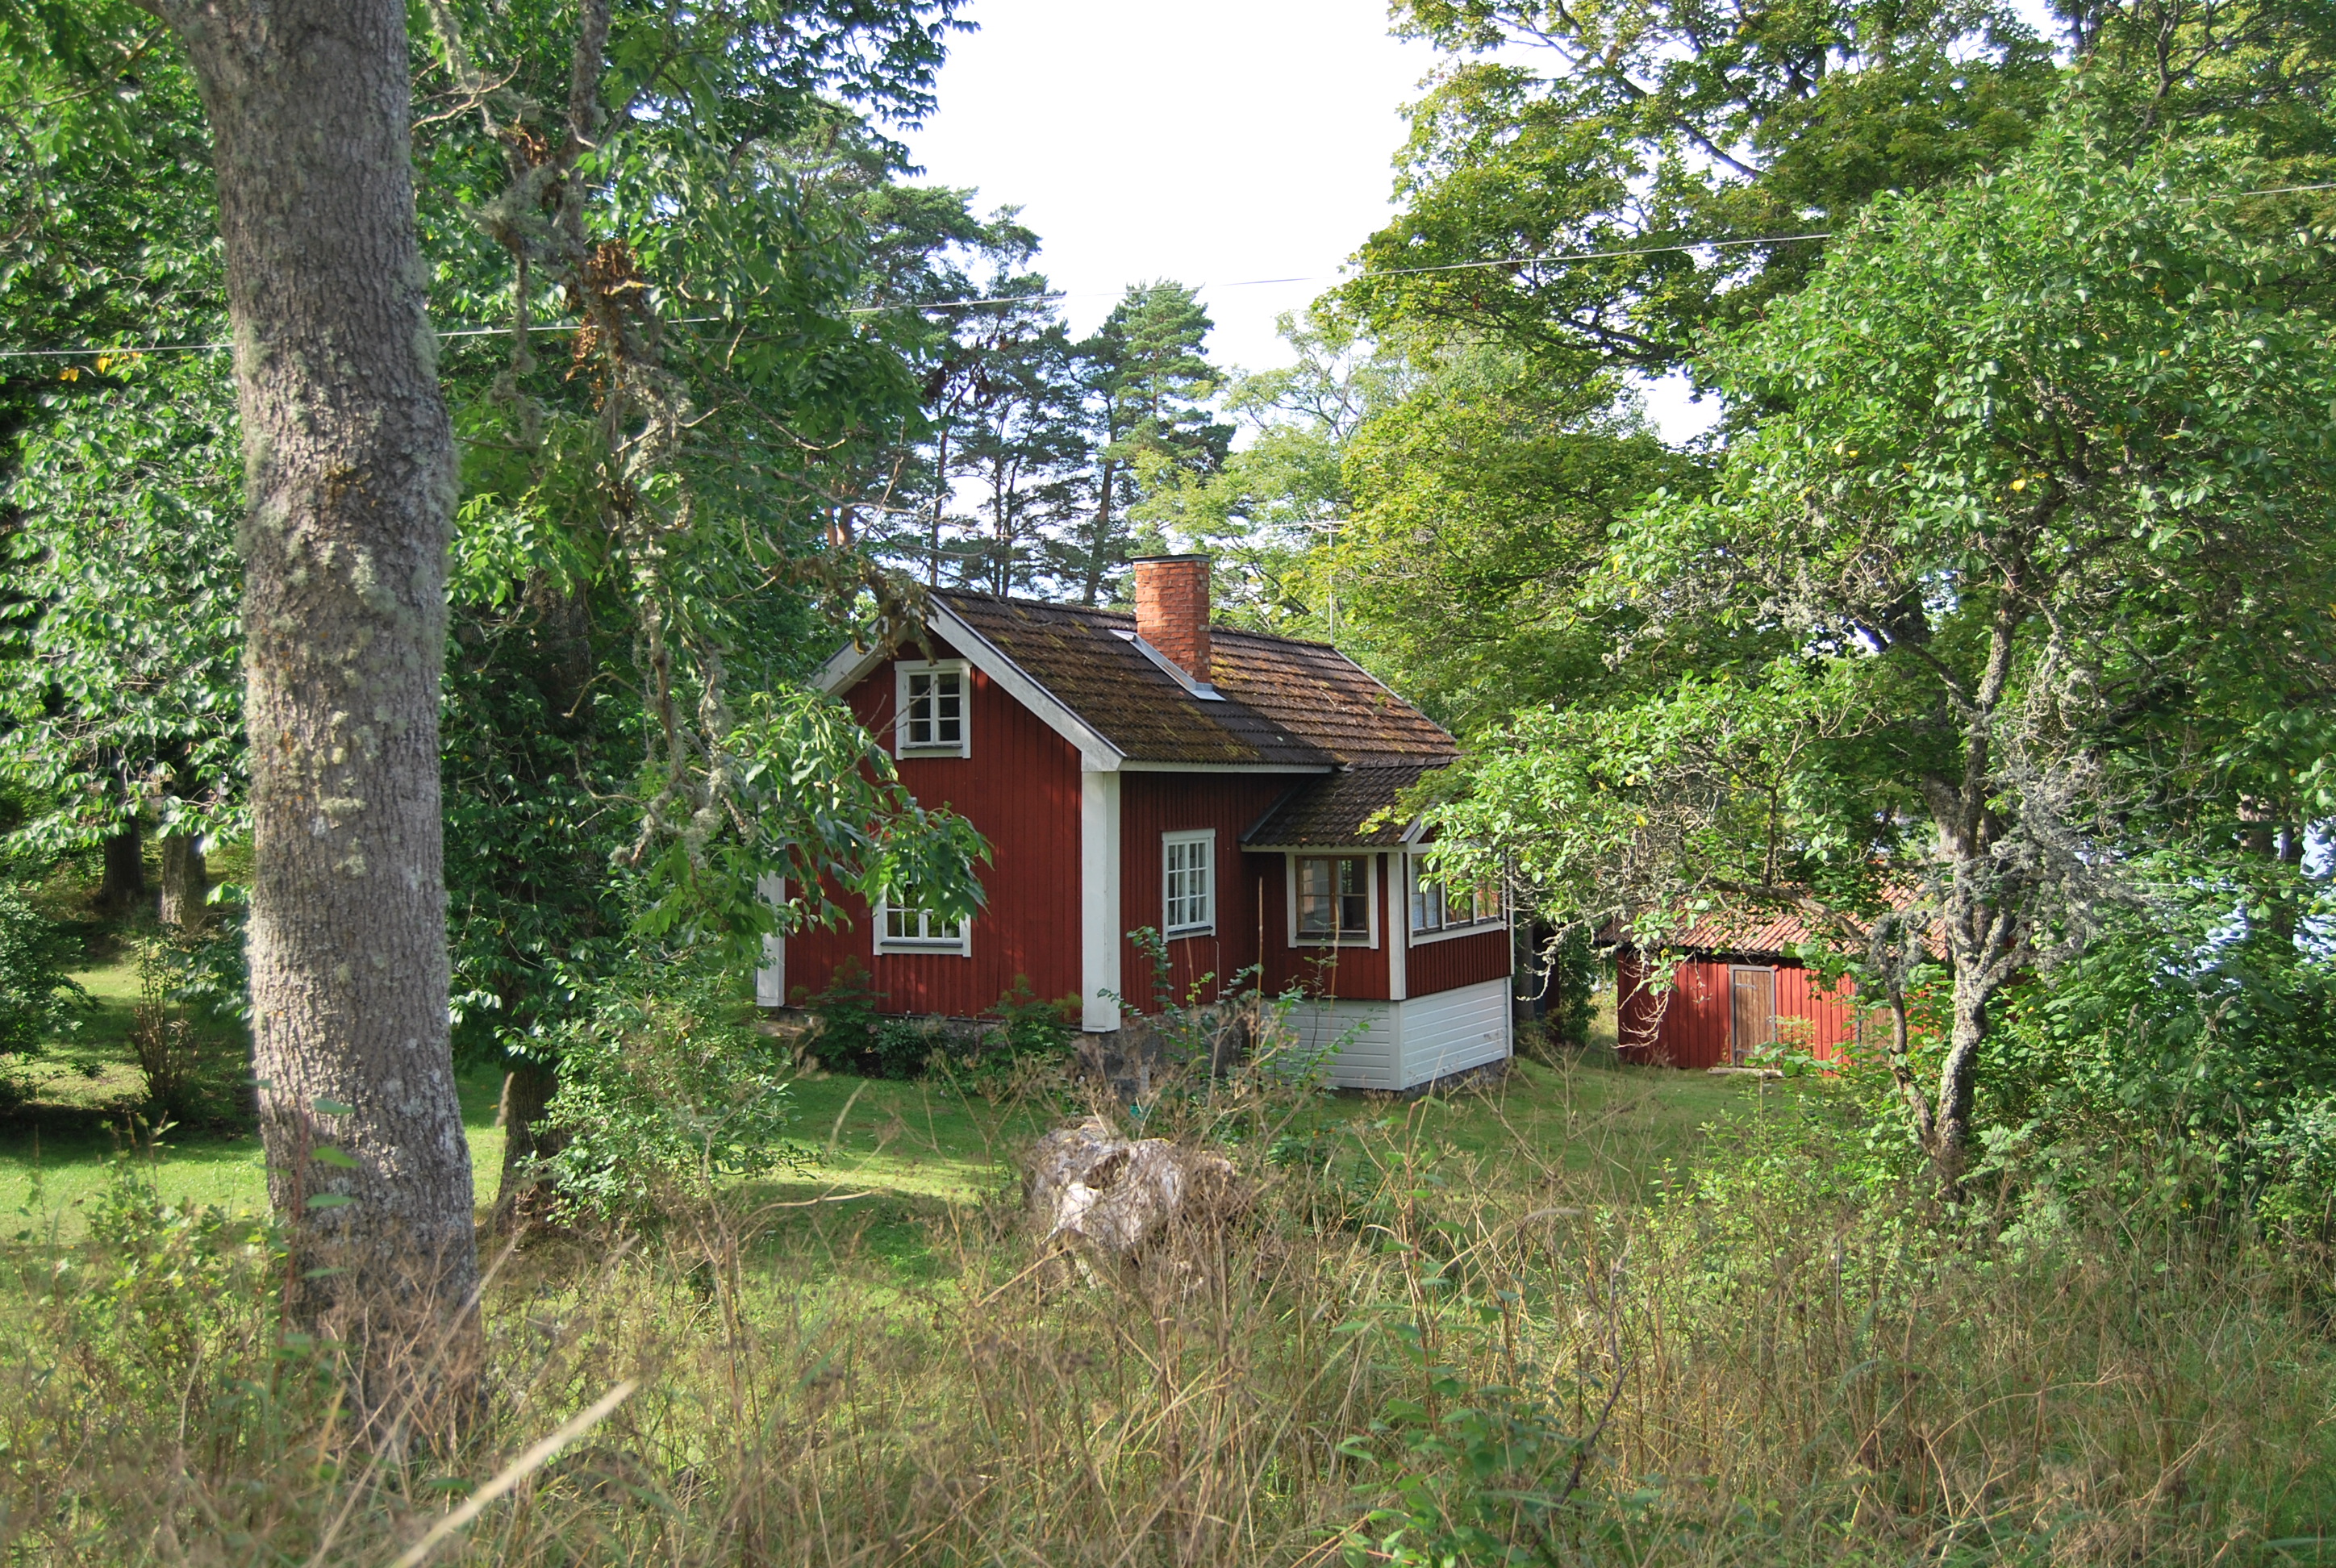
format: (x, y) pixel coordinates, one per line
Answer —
(884, 1145)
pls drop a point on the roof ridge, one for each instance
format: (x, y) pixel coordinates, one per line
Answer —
(1216, 626)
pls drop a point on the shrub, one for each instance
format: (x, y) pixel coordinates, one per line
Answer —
(2187, 1032)
(846, 1019)
(38, 999)
(662, 1100)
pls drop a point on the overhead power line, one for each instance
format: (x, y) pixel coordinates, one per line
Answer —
(1559, 259)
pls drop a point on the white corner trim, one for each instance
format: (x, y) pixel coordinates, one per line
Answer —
(1099, 937)
(1398, 917)
(771, 979)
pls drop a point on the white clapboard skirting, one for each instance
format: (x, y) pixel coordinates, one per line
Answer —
(1402, 1045)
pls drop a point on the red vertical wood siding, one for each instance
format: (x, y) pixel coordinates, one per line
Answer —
(1153, 803)
(1020, 788)
(1690, 1027)
(1455, 961)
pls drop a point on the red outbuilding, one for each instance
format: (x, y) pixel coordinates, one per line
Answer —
(1224, 789)
(1734, 984)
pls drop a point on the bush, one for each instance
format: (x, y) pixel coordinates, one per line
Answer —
(847, 1021)
(2185, 1033)
(851, 1034)
(38, 999)
(662, 1099)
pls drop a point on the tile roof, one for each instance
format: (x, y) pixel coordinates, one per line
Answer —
(1749, 932)
(1763, 931)
(1332, 810)
(1289, 704)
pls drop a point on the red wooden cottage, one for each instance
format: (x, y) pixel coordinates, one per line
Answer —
(1736, 983)
(1152, 771)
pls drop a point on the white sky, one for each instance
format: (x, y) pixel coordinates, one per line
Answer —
(1211, 142)
(1207, 141)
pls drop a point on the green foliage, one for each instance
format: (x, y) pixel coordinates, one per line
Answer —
(2020, 567)
(852, 1033)
(1031, 1025)
(848, 1019)
(1569, 968)
(2174, 1030)
(39, 1001)
(1274, 505)
(121, 673)
(663, 1098)
(1483, 503)
(1561, 129)
(1483, 1476)
(1149, 381)
(166, 1281)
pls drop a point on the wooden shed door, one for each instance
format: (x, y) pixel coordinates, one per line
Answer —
(1752, 1014)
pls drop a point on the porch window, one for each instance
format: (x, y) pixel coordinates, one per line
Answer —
(1437, 907)
(931, 703)
(1189, 874)
(1334, 898)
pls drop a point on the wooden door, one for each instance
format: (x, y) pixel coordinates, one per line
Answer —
(1752, 1011)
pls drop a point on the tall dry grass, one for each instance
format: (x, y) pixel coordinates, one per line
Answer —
(1401, 1353)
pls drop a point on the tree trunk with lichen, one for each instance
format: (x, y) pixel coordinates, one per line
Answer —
(349, 474)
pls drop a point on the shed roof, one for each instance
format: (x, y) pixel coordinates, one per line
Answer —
(1747, 932)
(1333, 810)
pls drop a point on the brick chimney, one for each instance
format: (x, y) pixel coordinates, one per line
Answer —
(1171, 610)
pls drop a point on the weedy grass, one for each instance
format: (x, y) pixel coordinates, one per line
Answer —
(1524, 1324)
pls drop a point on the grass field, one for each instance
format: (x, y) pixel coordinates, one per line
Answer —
(915, 1142)
(1624, 1316)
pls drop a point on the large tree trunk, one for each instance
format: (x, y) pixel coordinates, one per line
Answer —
(122, 888)
(349, 478)
(186, 883)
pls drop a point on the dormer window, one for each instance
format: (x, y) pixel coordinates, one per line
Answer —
(936, 718)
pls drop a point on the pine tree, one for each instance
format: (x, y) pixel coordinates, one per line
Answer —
(1149, 381)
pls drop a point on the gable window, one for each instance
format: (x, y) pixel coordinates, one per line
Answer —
(1334, 898)
(935, 717)
(1189, 876)
(1438, 908)
(902, 928)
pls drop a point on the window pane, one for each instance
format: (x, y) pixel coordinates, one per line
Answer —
(950, 708)
(1428, 910)
(1315, 911)
(920, 710)
(1334, 896)
(1188, 872)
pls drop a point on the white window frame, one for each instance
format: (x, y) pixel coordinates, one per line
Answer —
(1370, 860)
(1415, 868)
(959, 943)
(1169, 844)
(903, 669)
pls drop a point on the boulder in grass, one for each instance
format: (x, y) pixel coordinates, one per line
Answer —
(1105, 1196)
